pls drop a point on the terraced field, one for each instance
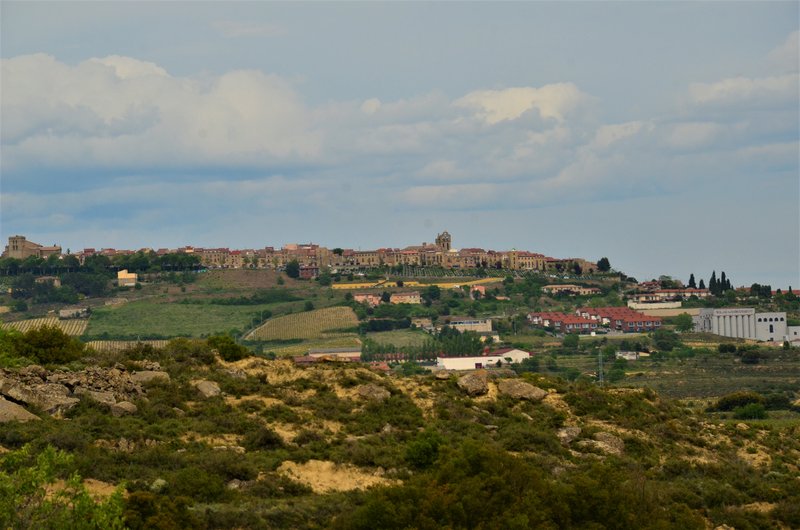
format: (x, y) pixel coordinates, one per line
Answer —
(113, 346)
(75, 327)
(318, 324)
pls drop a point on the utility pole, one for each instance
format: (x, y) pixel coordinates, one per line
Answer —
(600, 378)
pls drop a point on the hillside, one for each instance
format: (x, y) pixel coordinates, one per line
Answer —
(265, 444)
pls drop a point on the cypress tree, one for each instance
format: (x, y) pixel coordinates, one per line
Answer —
(702, 284)
(712, 283)
(692, 284)
(723, 282)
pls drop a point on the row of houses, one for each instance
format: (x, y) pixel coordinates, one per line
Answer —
(374, 299)
(589, 319)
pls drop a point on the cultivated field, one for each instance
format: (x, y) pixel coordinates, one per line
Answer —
(307, 325)
(399, 338)
(74, 327)
(153, 318)
(113, 346)
(340, 340)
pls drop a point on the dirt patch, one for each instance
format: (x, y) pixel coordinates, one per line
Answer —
(616, 429)
(491, 395)
(754, 455)
(266, 401)
(217, 440)
(762, 507)
(286, 432)
(97, 489)
(276, 372)
(325, 477)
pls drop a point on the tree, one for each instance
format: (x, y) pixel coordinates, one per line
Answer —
(576, 268)
(50, 345)
(702, 284)
(324, 277)
(227, 348)
(683, 322)
(603, 265)
(28, 498)
(692, 284)
(293, 269)
(712, 283)
(386, 297)
(571, 340)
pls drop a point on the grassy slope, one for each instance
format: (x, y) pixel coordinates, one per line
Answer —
(154, 317)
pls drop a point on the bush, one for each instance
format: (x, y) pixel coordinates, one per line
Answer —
(736, 400)
(726, 347)
(227, 348)
(751, 411)
(263, 438)
(50, 345)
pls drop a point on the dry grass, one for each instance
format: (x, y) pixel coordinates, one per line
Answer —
(114, 346)
(316, 324)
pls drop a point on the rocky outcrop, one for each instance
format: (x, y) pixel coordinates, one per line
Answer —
(207, 389)
(442, 375)
(10, 411)
(123, 408)
(474, 384)
(604, 442)
(567, 435)
(373, 393)
(147, 376)
(57, 391)
(517, 389)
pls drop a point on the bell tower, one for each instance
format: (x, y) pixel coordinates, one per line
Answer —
(443, 241)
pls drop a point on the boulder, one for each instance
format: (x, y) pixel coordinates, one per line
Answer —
(146, 376)
(372, 392)
(442, 375)
(566, 435)
(609, 443)
(122, 408)
(12, 412)
(105, 398)
(517, 389)
(474, 384)
(52, 398)
(207, 389)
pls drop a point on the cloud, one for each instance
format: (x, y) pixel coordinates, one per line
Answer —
(786, 57)
(553, 101)
(767, 91)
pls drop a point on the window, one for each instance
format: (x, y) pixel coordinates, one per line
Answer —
(771, 328)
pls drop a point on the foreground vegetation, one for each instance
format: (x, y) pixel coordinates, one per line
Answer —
(400, 451)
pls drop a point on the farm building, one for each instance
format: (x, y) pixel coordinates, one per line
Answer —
(462, 324)
(411, 297)
(476, 362)
(126, 279)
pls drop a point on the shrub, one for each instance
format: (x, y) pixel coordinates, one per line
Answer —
(228, 349)
(751, 411)
(737, 399)
(50, 345)
(726, 347)
(263, 438)
(423, 452)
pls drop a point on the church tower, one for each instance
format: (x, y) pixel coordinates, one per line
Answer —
(443, 241)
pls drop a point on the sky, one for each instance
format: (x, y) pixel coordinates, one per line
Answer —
(662, 135)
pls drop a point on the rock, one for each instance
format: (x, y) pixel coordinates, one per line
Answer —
(207, 389)
(609, 443)
(566, 435)
(12, 412)
(49, 397)
(372, 392)
(106, 398)
(526, 416)
(149, 375)
(517, 389)
(742, 427)
(442, 375)
(236, 373)
(158, 485)
(474, 384)
(122, 408)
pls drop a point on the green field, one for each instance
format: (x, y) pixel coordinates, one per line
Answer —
(152, 318)
(400, 338)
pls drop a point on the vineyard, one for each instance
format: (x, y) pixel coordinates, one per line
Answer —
(115, 346)
(76, 327)
(308, 325)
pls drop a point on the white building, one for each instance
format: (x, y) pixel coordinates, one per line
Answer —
(503, 356)
(743, 323)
